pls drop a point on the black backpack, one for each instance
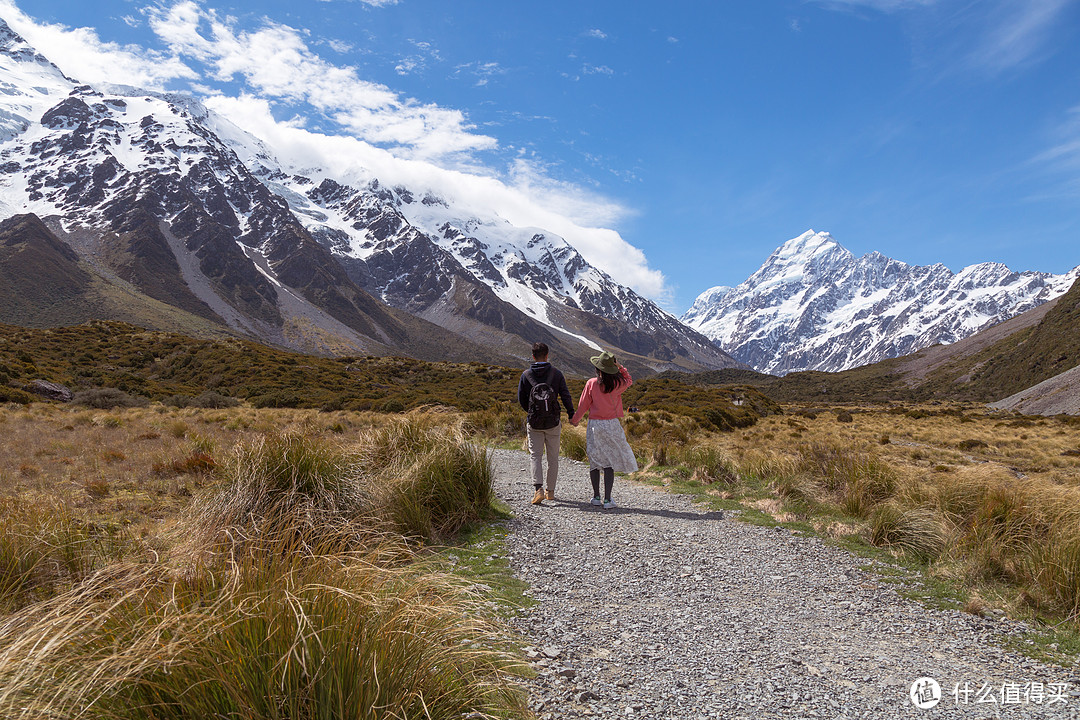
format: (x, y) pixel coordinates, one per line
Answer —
(543, 404)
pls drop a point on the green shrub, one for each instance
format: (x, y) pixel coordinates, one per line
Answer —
(277, 399)
(857, 480)
(333, 405)
(727, 419)
(393, 406)
(799, 487)
(444, 490)
(44, 549)
(499, 421)
(710, 465)
(1055, 567)
(11, 395)
(108, 398)
(20, 558)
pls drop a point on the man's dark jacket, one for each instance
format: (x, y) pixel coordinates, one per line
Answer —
(544, 372)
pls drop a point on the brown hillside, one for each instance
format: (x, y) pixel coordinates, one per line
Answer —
(1051, 348)
(41, 282)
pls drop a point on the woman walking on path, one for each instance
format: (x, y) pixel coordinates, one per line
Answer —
(605, 441)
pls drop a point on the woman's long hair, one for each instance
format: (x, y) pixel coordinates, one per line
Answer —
(608, 381)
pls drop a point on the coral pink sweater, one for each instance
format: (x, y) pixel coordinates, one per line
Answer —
(599, 404)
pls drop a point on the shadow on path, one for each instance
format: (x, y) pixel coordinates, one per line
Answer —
(586, 506)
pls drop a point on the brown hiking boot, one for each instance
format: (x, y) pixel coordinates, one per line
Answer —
(538, 497)
(550, 495)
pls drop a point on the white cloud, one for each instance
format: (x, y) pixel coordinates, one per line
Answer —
(418, 62)
(483, 71)
(596, 70)
(81, 54)
(988, 36)
(370, 3)
(409, 65)
(597, 34)
(1014, 32)
(1060, 163)
(528, 197)
(882, 5)
(396, 139)
(340, 46)
(275, 61)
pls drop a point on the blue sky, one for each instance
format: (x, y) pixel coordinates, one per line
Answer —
(676, 143)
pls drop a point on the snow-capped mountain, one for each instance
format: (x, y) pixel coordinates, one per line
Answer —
(813, 305)
(158, 192)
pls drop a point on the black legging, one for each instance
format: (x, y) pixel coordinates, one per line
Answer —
(609, 480)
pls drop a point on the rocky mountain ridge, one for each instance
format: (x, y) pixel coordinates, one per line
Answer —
(160, 193)
(813, 305)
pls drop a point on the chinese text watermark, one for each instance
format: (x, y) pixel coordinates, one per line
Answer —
(927, 693)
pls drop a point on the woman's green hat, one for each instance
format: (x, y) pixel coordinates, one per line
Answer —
(605, 362)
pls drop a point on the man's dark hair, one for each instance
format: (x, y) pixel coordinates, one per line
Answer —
(540, 350)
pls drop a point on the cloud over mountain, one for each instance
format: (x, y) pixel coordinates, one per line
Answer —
(270, 80)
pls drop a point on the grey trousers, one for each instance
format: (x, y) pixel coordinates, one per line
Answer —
(543, 442)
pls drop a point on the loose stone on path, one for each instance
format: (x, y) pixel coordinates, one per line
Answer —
(664, 609)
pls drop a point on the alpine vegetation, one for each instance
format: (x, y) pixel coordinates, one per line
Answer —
(289, 588)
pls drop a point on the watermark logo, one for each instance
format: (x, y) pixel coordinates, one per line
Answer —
(925, 693)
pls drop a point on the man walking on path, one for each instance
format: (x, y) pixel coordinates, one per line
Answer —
(539, 390)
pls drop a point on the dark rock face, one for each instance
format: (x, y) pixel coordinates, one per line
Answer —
(70, 113)
(418, 269)
(50, 390)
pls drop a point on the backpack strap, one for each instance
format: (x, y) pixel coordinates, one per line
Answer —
(531, 377)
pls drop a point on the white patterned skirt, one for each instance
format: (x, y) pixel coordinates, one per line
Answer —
(605, 442)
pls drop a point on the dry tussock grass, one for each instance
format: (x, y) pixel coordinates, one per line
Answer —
(135, 467)
(283, 587)
(992, 501)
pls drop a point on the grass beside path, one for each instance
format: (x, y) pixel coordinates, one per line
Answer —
(289, 586)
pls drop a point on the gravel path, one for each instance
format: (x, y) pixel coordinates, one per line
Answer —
(662, 609)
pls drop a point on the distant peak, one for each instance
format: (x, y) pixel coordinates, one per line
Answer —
(810, 238)
(806, 246)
